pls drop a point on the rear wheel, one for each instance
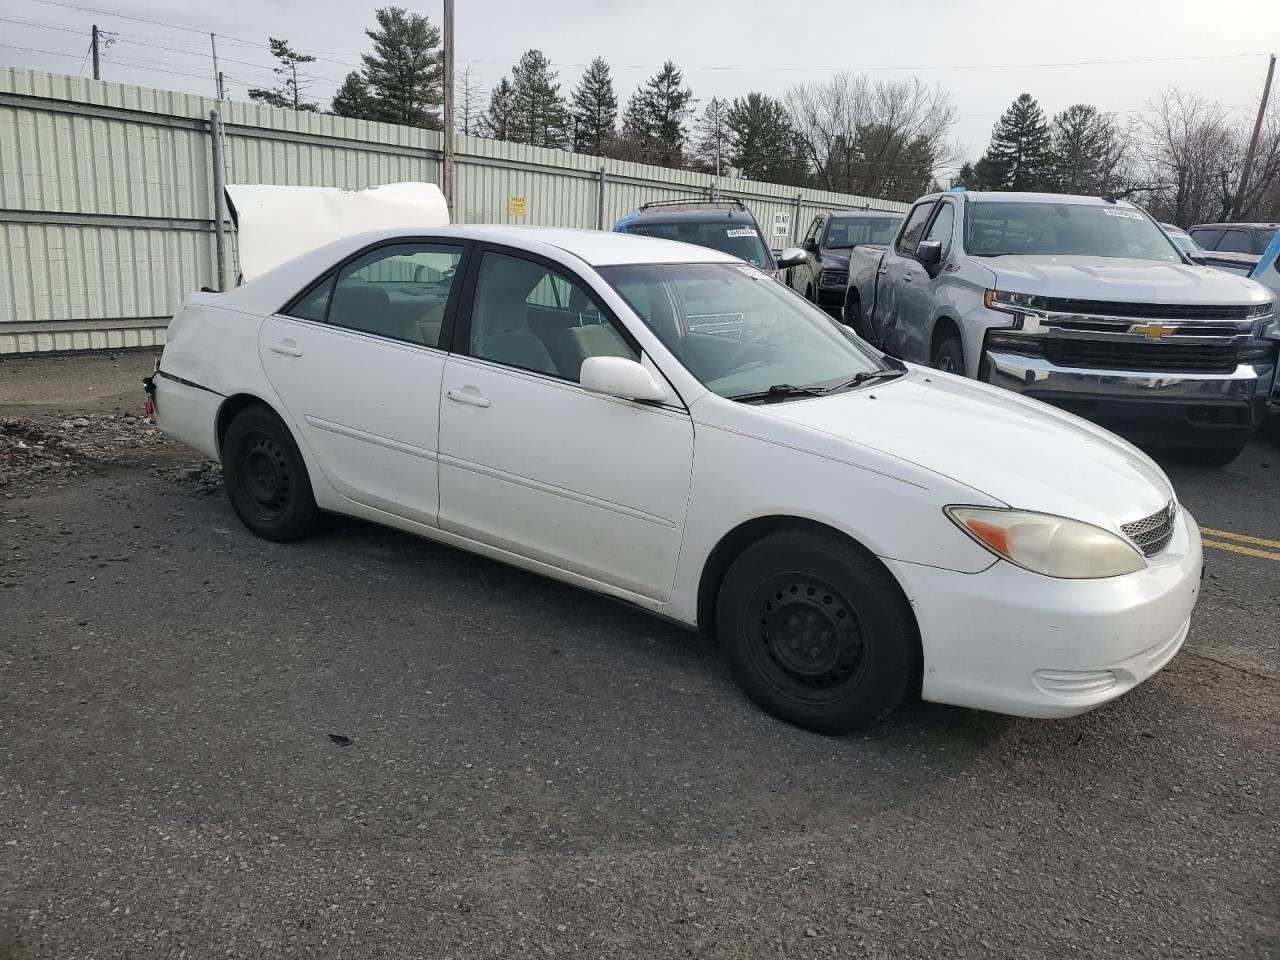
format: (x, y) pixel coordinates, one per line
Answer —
(948, 356)
(266, 477)
(1208, 456)
(817, 632)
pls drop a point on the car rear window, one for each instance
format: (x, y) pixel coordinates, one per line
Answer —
(737, 237)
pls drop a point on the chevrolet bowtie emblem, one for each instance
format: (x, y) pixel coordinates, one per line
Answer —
(1153, 330)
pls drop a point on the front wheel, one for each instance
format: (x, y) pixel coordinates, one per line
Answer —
(266, 477)
(1208, 456)
(948, 356)
(817, 632)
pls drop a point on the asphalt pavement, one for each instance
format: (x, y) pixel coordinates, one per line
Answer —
(367, 745)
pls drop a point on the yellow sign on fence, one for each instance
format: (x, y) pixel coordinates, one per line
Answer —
(517, 206)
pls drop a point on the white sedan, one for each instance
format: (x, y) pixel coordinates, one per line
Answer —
(666, 425)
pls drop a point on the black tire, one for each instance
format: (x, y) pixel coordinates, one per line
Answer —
(808, 294)
(266, 477)
(1208, 456)
(851, 653)
(853, 318)
(948, 356)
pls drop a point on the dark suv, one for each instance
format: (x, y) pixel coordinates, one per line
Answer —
(724, 225)
(823, 273)
(1234, 237)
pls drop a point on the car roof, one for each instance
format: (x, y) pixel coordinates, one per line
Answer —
(1073, 198)
(699, 214)
(856, 214)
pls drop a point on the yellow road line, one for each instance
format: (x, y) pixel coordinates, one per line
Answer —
(1242, 537)
(1237, 548)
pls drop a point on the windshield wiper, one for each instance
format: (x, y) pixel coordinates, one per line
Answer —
(867, 376)
(779, 391)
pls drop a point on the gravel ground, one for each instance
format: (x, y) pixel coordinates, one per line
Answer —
(367, 745)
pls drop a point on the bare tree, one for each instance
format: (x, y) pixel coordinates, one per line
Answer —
(1189, 152)
(468, 101)
(882, 138)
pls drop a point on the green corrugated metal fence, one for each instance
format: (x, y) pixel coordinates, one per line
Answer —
(106, 196)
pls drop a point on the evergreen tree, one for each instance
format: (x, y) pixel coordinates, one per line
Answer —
(353, 99)
(764, 145)
(1019, 156)
(711, 137)
(653, 125)
(289, 96)
(967, 177)
(498, 119)
(403, 73)
(1086, 150)
(538, 116)
(594, 109)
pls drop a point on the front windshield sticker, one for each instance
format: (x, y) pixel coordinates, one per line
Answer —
(751, 272)
(716, 324)
(1127, 214)
(741, 232)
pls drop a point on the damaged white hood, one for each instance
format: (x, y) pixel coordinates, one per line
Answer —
(275, 224)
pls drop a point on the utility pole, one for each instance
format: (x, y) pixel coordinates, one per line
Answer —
(447, 159)
(1237, 208)
(97, 61)
(217, 75)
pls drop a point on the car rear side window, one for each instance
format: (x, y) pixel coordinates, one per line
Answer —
(312, 304)
(399, 291)
(1236, 241)
(1207, 237)
(912, 232)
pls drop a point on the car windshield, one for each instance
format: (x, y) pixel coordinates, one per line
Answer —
(844, 233)
(1182, 239)
(997, 228)
(740, 332)
(737, 237)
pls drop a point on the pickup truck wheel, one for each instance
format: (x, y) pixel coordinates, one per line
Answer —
(852, 317)
(948, 356)
(816, 632)
(1208, 456)
(266, 477)
(808, 295)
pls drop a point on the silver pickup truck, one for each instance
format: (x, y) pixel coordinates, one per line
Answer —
(1081, 302)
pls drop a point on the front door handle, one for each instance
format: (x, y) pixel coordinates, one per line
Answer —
(287, 347)
(906, 278)
(471, 397)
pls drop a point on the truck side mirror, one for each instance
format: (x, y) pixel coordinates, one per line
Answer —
(929, 252)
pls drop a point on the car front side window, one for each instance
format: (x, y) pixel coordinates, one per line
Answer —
(915, 228)
(533, 317)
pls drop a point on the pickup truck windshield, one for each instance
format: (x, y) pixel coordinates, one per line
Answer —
(842, 234)
(997, 229)
(735, 237)
(739, 331)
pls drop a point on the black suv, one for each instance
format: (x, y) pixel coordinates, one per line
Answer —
(824, 272)
(724, 225)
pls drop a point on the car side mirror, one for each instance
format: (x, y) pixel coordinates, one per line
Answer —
(929, 252)
(811, 246)
(790, 257)
(619, 377)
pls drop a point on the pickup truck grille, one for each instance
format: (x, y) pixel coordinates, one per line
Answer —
(834, 278)
(1129, 355)
(1143, 311)
(1152, 534)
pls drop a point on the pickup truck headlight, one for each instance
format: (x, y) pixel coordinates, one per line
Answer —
(1018, 303)
(1262, 311)
(1049, 545)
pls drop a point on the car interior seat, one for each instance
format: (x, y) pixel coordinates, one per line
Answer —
(500, 320)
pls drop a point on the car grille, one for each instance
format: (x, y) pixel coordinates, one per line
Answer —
(1130, 355)
(833, 278)
(1144, 311)
(1152, 534)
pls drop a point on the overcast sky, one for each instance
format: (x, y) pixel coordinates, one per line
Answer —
(984, 52)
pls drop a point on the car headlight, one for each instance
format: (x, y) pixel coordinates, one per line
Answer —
(1013, 302)
(1262, 311)
(1049, 545)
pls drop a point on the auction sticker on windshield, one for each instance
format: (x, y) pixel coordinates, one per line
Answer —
(1127, 214)
(741, 232)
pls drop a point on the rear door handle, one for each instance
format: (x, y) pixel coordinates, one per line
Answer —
(287, 347)
(468, 397)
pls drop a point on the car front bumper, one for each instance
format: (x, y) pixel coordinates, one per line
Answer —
(1015, 642)
(1182, 408)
